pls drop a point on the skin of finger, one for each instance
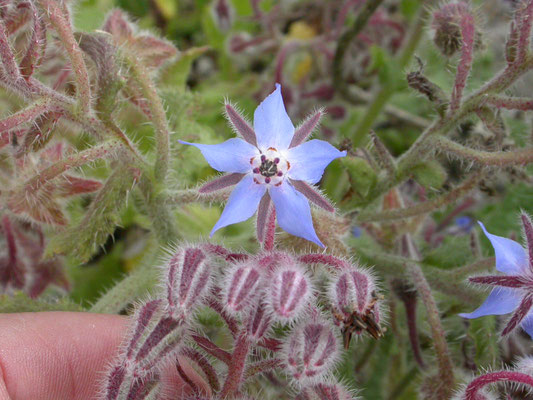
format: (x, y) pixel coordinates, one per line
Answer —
(64, 355)
(57, 355)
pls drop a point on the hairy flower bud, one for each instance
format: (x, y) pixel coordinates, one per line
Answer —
(241, 287)
(311, 350)
(289, 292)
(355, 303)
(447, 22)
(353, 290)
(187, 280)
(258, 322)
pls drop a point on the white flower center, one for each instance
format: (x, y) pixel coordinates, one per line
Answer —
(269, 168)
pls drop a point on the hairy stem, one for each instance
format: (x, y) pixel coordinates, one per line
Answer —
(498, 158)
(344, 42)
(60, 21)
(236, 367)
(424, 207)
(384, 94)
(159, 118)
(494, 377)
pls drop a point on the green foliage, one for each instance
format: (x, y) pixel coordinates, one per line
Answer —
(98, 222)
(20, 302)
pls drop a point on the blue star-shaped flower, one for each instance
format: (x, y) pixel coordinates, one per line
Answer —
(272, 161)
(514, 290)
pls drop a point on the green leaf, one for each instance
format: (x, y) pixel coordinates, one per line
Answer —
(99, 221)
(177, 73)
(362, 175)
(430, 174)
(21, 302)
(390, 74)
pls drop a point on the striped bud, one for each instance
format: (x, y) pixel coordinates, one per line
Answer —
(241, 287)
(311, 351)
(187, 280)
(289, 292)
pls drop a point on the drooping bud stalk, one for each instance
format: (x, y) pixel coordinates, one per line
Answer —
(409, 297)
(310, 351)
(475, 389)
(289, 292)
(241, 287)
(419, 82)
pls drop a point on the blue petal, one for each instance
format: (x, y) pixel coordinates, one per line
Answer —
(511, 258)
(272, 125)
(500, 301)
(242, 203)
(527, 324)
(231, 156)
(293, 212)
(309, 160)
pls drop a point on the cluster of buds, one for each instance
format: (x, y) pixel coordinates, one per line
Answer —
(159, 327)
(255, 293)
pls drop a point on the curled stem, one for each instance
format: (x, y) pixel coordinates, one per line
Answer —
(477, 384)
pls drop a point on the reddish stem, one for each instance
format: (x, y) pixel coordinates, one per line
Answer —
(477, 384)
(236, 367)
(316, 258)
(270, 229)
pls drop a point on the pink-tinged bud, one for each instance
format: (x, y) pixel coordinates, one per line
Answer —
(289, 292)
(353, 291)
(324, 391)
(355, 303)
(241, 288)
(258, 322)
(311, 350)
(223, 14)
(187, 280)
(447, 21)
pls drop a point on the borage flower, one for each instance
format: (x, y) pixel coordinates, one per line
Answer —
(514, 290)
(271, 161)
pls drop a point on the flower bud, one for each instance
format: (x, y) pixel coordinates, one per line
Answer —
(355, 303)
(353, 291)
(223, 14)
(187, 280)
(289, 292)
(241, 287)
(447, 24)
(258, 323)
(311, 350)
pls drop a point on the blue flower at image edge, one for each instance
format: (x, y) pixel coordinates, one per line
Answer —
(271, 165)
(513, 291)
